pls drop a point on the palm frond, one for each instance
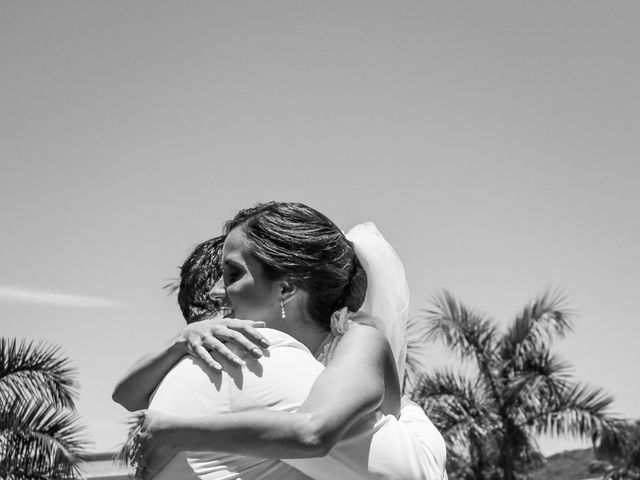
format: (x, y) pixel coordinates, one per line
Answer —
(620, 460)
(614, 471)
(538, 377)
(30, 370)
(172, 286)
(466, 332)
(529, 456)
(455, 403)
(628, 450)
(580, 411)
(417, 341)
(536, 324)
(40, 440)
(445, 383)
(469, 334)
(462, 410)
(128, 454)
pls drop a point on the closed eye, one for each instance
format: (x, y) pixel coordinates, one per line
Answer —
(231, 273)
(230, 279)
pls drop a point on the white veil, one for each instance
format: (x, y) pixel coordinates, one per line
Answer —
(387, 298)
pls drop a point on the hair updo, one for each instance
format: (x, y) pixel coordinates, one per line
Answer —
(297, 241)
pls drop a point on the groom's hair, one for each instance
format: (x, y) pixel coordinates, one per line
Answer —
(198, 274)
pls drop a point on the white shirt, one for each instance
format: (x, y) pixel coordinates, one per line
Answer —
(280, 380)
(386, 447)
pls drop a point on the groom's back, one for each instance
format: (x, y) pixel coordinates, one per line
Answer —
(191, 388)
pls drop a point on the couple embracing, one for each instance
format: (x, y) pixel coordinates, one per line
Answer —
(289, 366)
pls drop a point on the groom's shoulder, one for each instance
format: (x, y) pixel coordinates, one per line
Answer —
(191, 368)
(284, 350)
(278, 339)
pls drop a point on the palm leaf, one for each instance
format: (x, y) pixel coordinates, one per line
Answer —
(580, 410)
(455, 402)
(172, 286)
(466, 332)
(461, 409)
(417, 330)
(536, 324)
(529, 456)
(128, 454)
(40, 440)
(621, 459)
(537, 377)
(35, 370)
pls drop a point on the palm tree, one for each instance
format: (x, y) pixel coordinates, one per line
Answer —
(621, 461)
(40, 437)
(510, 388)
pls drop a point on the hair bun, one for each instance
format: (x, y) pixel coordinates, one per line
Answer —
(356, 290)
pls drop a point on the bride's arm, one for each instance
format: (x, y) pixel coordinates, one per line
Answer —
(351, 386)
(203, 339)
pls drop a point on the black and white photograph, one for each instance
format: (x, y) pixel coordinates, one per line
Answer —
(330, 240)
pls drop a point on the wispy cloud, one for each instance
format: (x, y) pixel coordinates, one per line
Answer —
(15, 294)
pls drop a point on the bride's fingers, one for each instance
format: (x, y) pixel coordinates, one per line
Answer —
(241, 340)
(216, 347)
(202, 353)
(248, 329)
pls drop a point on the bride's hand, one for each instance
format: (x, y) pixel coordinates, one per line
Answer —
(206, 339)
(154, 450)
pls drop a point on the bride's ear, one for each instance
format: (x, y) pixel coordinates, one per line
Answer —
(287, 290)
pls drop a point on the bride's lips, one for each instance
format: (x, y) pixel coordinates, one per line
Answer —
(221, 303)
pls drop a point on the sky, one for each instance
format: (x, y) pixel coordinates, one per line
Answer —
(495, 144)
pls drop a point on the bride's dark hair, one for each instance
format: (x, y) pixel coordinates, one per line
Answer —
(289, 239)
(297, 241)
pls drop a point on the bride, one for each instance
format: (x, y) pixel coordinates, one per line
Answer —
(344, 297)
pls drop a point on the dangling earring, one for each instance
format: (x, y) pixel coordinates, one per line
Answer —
(283, 314)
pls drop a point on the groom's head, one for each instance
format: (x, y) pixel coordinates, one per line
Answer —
(198, 275)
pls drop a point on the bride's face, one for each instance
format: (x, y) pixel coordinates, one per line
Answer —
(251, 294)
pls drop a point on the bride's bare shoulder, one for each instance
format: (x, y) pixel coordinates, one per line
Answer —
(364, 345)
(364, 337)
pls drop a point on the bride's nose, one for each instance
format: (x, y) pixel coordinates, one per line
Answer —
(218, 289)
(219, 296)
